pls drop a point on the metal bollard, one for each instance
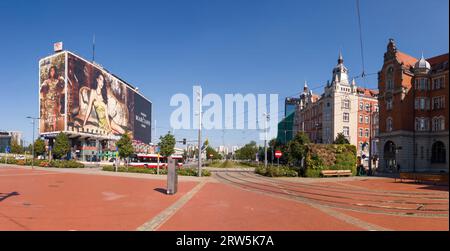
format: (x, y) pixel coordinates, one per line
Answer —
(172, 177)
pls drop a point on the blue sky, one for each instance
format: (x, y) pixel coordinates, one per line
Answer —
(250, 46)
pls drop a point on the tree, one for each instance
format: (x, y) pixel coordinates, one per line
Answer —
(167, 145)
(39, 147)
(247, 152)
(16, 148)
(297, 147)
(211, 153)
(341, 139)
(125, 146)
(61, 146)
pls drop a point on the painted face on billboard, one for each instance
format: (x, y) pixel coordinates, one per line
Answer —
(95, 104)
(52, 93)
(101, 104)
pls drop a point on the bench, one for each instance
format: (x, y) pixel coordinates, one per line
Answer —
(420, 177)
(338, 173)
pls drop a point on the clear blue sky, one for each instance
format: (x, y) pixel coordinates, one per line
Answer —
(245, 46)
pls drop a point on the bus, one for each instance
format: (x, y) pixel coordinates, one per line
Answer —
(151, 160)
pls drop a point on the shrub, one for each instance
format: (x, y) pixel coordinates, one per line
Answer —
(44, 164)
(163, 171)
(275, 171)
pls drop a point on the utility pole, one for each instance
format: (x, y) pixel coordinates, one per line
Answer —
(32, 145)
(199, 133)
(370, 138)
(266, 118)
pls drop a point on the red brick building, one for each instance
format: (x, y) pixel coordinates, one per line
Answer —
(413, 119)
(367, 122)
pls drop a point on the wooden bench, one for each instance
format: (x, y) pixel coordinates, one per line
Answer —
(420, 177)
(338, 173)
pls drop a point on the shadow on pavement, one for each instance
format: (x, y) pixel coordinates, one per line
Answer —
(4, 196)
(161, 190)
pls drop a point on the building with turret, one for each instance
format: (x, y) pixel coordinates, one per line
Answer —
(414, 107)
(338, 110)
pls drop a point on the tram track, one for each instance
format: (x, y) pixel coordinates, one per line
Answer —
(278, 190)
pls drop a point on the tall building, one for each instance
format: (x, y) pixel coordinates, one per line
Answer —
(414, 110)
(92, 106)
(337, 110)
(285, 131)
(8, 137)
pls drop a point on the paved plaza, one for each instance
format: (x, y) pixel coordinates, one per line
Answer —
(91, 199)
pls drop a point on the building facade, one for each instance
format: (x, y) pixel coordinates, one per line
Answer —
(7, 137)
(337, 110)
(414, 105)
(92, 106)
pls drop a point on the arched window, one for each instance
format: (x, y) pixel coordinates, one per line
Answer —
(438, 152)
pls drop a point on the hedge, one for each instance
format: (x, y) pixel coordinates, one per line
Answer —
(45, 163)
(180, 171)
(276, 171)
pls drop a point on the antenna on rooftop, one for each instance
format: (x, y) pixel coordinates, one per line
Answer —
(93, 48)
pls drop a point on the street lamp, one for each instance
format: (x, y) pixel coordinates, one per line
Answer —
(32, 144)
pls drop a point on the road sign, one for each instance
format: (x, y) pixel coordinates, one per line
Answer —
(7, 149)
(278, 154)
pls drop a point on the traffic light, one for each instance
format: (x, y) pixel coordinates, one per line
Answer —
(184, 141)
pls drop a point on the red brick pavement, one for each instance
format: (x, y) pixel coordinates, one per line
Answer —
(59, 201)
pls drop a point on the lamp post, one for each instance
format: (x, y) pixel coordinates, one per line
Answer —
(266, 118)
(32, 144)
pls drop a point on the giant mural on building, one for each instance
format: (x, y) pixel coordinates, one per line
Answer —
(100, 103)
(52, 93)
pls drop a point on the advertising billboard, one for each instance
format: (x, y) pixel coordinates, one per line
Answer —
(52, 93)
(101, 104)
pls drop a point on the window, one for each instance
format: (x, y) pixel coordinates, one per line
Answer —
(346, 116)
(366, 133)
(361, 119)
(422, 124)
(346, 104)
(389, 78)
(367, 119)
(360, 132)
(438, 83)
(346, 131)
(389, 126)
(376, 108)
(438, 124)
(361, 106)
(422, 103)
(438, 103)
(422, 84)
(368, 107)
(438, 152)
(389, 104)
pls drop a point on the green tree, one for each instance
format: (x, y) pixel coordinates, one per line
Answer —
(61, 146)
(16, 148)
(39, 147)
(212, 152)
(125, 146)
(247, 152)
(297, 148)
(167, 145)
(341, 139)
